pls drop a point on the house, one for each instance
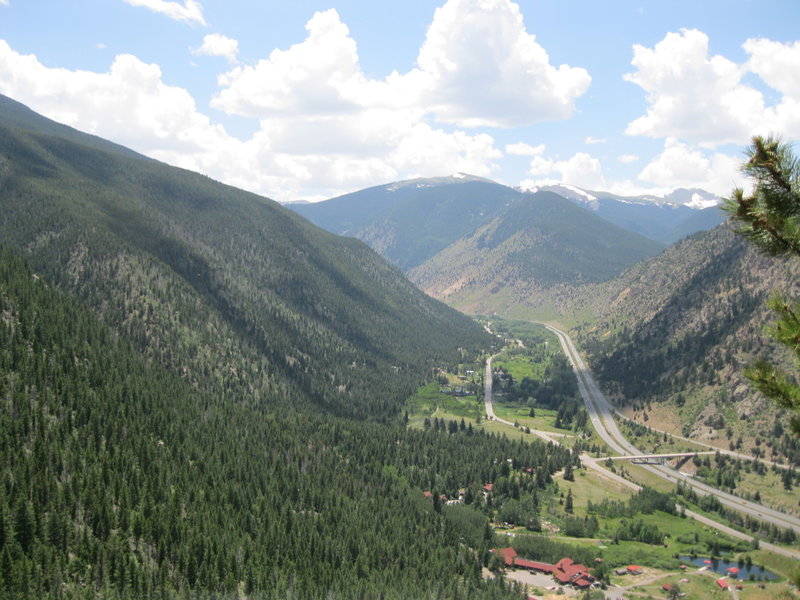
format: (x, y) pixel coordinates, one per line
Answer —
(666, 587)
(634, 570)
(488, 487)
(732, 571)
(723, 585)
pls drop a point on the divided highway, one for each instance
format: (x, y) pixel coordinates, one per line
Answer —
(601, 413)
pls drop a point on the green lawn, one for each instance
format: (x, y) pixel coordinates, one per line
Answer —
(590, 486)
(519, 366)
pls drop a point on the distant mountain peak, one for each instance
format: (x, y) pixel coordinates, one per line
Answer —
(429, 182)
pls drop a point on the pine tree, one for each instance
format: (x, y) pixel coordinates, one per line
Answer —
(770, 218)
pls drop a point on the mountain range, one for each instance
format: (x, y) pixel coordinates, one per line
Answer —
(482, 246)
(666, 219)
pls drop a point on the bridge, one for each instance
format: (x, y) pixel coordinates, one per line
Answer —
(656, 459)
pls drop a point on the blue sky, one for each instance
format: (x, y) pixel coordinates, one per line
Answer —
(307, 100)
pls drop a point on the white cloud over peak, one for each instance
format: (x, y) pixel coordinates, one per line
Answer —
(216, 44)
(687, 166)
(581, 170)
(523, 149)
(480, 67)
(628, 158)
(189, 11)
(702, 99)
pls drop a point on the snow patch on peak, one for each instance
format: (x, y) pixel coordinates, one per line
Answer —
(458, 176)
(579, 195)
(699, 202)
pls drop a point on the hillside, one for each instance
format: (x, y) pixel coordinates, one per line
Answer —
(408, 222)
(201, 392)
(238, 294)
(691, 318)
(121, 480)
(541, 240)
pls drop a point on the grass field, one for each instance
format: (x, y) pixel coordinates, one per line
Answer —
(519, 366)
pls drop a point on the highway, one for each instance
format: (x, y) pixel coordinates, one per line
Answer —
(601, 413)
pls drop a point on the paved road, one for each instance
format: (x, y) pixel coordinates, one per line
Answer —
(601, 413)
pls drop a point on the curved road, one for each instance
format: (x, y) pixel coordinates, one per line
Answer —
(601, 413)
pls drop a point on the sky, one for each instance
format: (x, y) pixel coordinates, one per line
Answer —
(306, 100)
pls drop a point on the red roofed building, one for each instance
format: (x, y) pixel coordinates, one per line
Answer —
(567, 571)
(723, 585)
(507, 555)
(532, 565)
(488, 487)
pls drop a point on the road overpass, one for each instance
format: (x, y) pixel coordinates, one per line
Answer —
(655, 459)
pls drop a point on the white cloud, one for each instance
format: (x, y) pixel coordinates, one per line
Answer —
(686, 166)
(591, 140)
(628, 158)
(523, 149)
(129, 104)
(777, 64)
(4, 2)
(190, 11)
(291, 155)
(702, 99)
(325, 127)
(216, 44)
(581, 170)
(319, 76)
(480, 67)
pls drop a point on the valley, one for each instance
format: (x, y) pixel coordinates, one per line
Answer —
(205, 395)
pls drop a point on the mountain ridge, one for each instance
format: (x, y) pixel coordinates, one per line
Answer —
(139, 241)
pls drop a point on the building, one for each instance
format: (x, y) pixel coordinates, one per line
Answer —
(634, 570)
(566, 571)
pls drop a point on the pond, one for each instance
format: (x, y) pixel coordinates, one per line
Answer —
(734, 570)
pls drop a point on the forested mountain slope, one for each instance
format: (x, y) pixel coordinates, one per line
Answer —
(672, 334)
(122, 480)
(408, 222)
(238, 294)
(541, 240)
